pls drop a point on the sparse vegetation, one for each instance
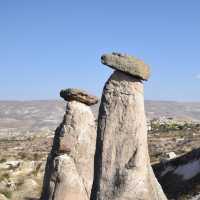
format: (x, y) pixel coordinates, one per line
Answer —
(4, 176)
(37, 156)
(2, 160)
(23, 155)
(7, 193)
(166, 125)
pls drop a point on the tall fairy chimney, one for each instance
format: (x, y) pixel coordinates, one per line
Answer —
(122, 169)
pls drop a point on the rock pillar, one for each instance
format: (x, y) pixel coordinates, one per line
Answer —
(69, 168)
(122, 168)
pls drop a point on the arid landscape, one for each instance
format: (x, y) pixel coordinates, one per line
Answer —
(30, 117)
(99, 100)
(27, 129)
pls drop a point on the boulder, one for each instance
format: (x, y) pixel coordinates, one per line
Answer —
(78, 95)
(13, 164)
(171, 155)
(2, 197)
(122, 165)
(127, 64)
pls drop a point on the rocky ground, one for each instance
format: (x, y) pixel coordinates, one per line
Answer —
(22, 164)
(23, 155)
(178, 138)
(22, 161)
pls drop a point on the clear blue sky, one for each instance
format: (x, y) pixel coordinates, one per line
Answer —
(49, 45)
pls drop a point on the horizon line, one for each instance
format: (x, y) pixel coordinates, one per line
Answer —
(60, 99)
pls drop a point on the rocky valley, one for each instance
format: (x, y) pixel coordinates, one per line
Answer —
(27, 130)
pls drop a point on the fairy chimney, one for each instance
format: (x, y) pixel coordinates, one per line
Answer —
(69, 168)
(122, 169)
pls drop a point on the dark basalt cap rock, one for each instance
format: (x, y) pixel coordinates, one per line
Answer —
(82, 96)
(127, 64)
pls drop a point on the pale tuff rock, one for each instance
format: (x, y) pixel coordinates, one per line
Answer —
(78, 95)
(69, 169)
(122, 167)
(127, 64)
(68, 182)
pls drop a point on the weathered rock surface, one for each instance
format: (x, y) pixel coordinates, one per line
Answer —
(69, 184)
(122, 166)
(127, 64)
(69, 168)
(78, 95)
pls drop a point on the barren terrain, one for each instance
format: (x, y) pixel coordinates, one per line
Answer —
(27, 129)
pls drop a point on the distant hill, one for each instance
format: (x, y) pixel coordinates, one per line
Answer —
(26, 117)
(180, 110)
(18, 117)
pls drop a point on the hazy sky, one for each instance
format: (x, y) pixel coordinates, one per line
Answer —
(47, 45)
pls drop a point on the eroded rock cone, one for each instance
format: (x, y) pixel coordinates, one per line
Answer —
(122, 164)
(69, 168)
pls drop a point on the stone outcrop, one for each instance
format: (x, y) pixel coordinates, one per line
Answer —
(69, 168)
(122, 168)
(179, 176)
